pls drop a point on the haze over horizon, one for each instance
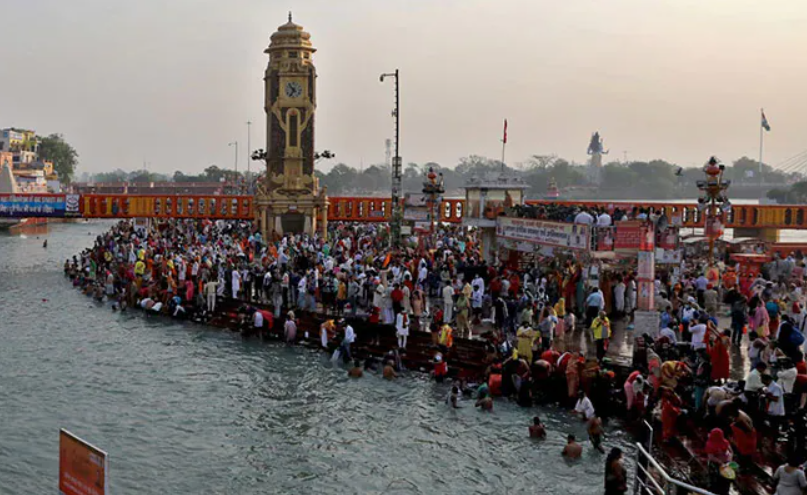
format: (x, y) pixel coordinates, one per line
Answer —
(172, 83)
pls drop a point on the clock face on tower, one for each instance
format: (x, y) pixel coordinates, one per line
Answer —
(294, 89)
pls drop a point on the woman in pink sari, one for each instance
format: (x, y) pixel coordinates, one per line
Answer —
(762, 320)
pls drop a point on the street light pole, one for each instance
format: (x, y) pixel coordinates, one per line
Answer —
(395, 224)
(235, 143)
(249, 146)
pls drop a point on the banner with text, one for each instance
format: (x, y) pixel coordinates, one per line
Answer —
(634, 235)
(83, 468)
(556, 234)
(39, 205)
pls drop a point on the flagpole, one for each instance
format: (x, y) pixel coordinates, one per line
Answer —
(504, 144)
(761, 134)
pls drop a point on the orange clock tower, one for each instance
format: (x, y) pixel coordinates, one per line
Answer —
(289, 199)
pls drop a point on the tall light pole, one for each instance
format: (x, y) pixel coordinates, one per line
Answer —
(395, 225)
(714, 202)
(249, 146)
(235, 143)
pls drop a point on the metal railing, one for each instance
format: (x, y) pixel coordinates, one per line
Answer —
(652, 479)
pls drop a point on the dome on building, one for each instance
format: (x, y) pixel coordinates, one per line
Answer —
(290, 36)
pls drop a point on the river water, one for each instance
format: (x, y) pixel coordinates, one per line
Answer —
(185, 409)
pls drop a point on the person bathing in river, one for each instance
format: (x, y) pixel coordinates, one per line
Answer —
(485, 402)
(596, 432)
(537, 430)
(572, 450)
(356, 371)
(454, 397)
(389, 371)
(290, 328)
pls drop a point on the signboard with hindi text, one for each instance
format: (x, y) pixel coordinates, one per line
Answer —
(545, 233)
(83, 468)
(39, 205)
(634, 235)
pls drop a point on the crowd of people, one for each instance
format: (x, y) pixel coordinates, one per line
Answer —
(532, 318)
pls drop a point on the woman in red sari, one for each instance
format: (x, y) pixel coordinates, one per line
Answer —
(718, 349)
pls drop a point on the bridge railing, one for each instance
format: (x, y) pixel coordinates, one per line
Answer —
(688, 214)
(371, 209)
(167, 206)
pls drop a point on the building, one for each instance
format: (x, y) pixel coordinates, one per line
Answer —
(18, 140)
(289, 198)
(19, 148)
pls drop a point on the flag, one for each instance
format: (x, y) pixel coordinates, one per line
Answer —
(765, 124)
(504, 140)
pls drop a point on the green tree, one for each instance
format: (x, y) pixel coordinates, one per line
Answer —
(214, 174)
(55, 149)
(116, 176)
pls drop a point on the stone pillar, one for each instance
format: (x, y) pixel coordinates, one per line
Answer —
(488, 239)
(278, 225)
(324, 211)
(307, 225)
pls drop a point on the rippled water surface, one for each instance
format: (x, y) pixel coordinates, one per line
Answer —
(184, 409)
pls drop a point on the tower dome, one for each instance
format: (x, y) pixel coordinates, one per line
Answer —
(290, 36)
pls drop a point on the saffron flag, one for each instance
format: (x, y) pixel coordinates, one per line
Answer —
(765, 124)
(504, 140)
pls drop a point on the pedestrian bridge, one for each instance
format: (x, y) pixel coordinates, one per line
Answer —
(749, 217)
(751, 220)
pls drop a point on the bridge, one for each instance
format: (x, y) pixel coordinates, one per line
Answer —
(762, 221)
(747, 220)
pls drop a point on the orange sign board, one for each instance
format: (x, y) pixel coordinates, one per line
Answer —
(83, 468)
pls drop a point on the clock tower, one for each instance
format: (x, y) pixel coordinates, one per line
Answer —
(289, 199)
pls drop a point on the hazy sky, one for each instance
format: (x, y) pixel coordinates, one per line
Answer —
(173, 81)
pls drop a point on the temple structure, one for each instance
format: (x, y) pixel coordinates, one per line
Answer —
(595, 150)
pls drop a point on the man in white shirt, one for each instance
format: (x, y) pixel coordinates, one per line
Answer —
(776, 401)
(257, 320)
(787, 376)
(478, 282)
(604, 219)
(753, 382)
(698, 336)
(448, 303)
(211, 292)
(422, 274)
(584, 407)
(584, 218)
(347, 340)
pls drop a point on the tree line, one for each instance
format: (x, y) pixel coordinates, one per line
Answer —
(655, 179)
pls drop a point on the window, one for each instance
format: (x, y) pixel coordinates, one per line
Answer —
(292, 54)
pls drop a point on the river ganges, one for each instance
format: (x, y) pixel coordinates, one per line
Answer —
(186, 409)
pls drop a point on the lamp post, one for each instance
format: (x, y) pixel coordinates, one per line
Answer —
(235, 143)
(249, 146)
(395, 224)
(713, 203)
(433, 188)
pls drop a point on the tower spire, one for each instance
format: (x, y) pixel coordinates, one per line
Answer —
(290, 16)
